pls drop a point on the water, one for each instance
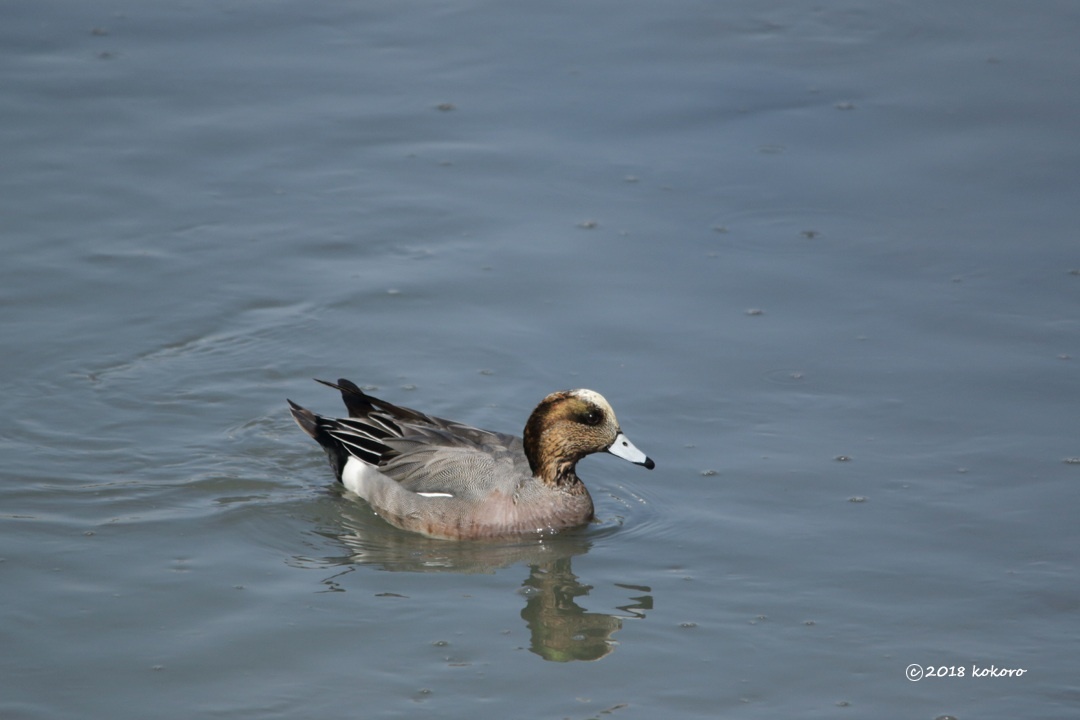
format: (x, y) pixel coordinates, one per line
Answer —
(822, 260)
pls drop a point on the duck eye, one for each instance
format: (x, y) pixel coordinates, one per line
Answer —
(592, 417)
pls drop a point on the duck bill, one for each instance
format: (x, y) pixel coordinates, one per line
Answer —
(625, 449)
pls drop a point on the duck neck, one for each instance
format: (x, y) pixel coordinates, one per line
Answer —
(550, 464)
(559, 473)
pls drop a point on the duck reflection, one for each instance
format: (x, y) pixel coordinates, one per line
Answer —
(560, 629)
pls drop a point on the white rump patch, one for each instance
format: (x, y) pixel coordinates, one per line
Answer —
(355, 475)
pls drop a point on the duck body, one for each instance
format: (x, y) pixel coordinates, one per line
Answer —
(449, 480)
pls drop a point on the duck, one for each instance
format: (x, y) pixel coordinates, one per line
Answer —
(449, 480)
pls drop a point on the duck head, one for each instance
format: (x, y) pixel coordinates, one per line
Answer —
(570, 424)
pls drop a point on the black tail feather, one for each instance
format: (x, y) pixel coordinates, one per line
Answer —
(370, 422)
(361, 405)
(317, 427)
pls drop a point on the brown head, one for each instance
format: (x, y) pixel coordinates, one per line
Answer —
(568, 425)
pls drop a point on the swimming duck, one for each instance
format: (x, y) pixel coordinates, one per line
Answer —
(448, 480)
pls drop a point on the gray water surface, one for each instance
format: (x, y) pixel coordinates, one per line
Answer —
(823, 260)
